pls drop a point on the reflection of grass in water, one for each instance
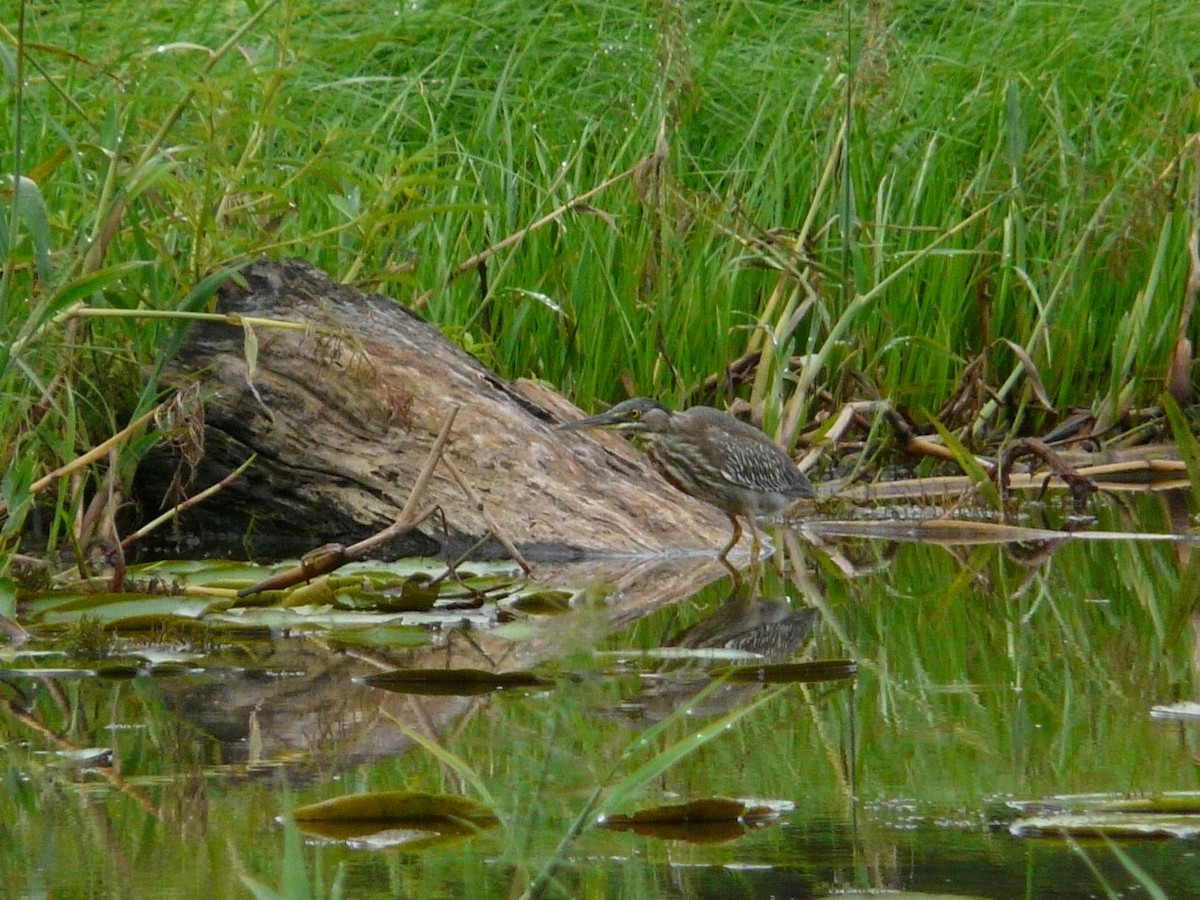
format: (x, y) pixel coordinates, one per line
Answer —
(294, 880)
(626, 779)
(970, 658)
(979, 674)
(1143, 878)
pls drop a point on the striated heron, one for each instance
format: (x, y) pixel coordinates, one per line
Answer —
(712, 456)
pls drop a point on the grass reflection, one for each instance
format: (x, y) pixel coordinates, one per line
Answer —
(982, 672)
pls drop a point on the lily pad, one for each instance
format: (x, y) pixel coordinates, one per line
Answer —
(455, 682)
(791, 673)
(386, 635)
(123, 669)
(688, 832)
(1165, 803)
(312, 618)
(83, 757)
(316, 593)
(1113, 825)
(395, 806)
(416, 593)
(543, 603)
(207, 572)
(1177, 712)
(1172, 814)
(126, 611)
(711, 820)
(709, 809)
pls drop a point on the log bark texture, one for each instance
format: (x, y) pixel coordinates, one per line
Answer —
(342, 414)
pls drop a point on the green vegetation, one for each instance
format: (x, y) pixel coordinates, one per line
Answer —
(872, 195)
(790, 202)
(893, 188)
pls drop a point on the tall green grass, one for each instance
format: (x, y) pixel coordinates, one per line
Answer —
(872, 194)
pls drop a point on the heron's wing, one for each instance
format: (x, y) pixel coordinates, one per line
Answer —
(758, 464)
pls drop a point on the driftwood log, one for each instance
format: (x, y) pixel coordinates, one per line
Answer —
(341, 415)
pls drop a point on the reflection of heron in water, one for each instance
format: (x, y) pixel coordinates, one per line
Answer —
(766, 626)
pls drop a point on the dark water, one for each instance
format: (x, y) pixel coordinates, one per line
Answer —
(984, 674)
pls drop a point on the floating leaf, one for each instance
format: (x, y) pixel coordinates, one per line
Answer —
(691, 832)
(1166, 803)
(123, 610)
(84, 757)
(790, 673)
(416, 593)
(166, 658)
(208, 572)
(707, 821)
(702, 654)
(391, 635)
(137, 667)
(710, 809)
(306, 619)
(395, 806)
(173, 670)
(455, 682)
(315, 593)
(1113, 825)
(1187, 711)
(135, 620)
(543, 603)
(317, 562)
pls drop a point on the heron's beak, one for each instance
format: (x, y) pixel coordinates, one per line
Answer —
(603, 420)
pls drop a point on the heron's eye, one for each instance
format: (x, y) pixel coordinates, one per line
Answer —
(635, 414)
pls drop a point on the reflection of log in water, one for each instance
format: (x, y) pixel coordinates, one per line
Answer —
(296, 701)
(342, 413)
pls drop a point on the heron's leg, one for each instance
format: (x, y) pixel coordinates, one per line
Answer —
(734, 574)
(737, 536)
(755, 542)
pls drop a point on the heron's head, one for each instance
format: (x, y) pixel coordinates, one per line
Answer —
(641, 415)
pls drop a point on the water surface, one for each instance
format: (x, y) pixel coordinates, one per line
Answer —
(985, 674)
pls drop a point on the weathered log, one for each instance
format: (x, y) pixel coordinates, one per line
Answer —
(342, 414)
